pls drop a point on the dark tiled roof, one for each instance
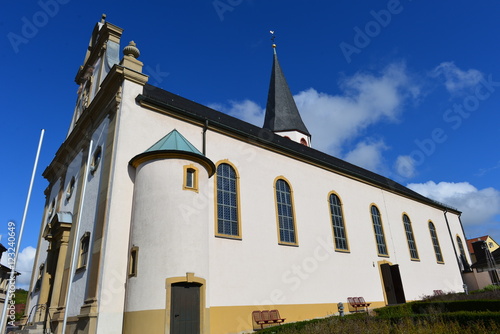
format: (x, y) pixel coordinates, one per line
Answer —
(281, 111)
(187, 108)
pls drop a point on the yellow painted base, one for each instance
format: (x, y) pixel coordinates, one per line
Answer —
(152, 321)
(232, 319)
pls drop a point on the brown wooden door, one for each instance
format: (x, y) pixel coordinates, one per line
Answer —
(393, 284)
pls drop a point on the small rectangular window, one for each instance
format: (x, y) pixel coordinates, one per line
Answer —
(190, 178)
(84, 250)
(132, 270)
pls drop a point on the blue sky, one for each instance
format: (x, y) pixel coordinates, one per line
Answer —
(408, 89)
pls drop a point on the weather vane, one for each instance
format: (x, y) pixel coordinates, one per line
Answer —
(273, 36)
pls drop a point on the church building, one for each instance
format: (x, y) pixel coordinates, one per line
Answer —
(165, 216)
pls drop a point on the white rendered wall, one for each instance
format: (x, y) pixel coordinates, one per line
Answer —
(313, 272)
(172, 236)
(114, 252)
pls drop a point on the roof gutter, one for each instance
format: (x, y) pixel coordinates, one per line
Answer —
(261, 137)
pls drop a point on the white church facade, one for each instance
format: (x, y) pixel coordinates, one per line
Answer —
(165, 216)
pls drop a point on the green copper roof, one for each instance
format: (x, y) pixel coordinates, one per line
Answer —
(174, 141)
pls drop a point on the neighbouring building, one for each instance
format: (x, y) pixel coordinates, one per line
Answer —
(165, 216)
(485, 256)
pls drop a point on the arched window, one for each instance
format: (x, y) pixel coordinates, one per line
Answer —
(339, 232)
(435, 242)
(227, 201)
(379, 232)
(410, 238)
(284, 205)
(461, 247)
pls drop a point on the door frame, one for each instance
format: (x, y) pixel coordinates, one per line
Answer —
(380, 263)
(189, 278)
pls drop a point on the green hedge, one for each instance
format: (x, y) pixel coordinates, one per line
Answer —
(438, 307)
(456, 306)
(462, 317)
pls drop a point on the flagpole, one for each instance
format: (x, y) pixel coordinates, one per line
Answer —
(75, 245)
(12, 264)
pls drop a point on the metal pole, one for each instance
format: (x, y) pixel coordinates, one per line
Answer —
(75, 244)
(19, 238)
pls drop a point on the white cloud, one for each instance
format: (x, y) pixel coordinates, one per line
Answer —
(457, 80)
(368, 154)
(245, 110)
(24, 266)
(405, 166)
(479, 207)
(335, 120)
(365, 100)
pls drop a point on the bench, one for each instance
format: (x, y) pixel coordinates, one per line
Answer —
(438, 292)
(267, 317)
(358, 302)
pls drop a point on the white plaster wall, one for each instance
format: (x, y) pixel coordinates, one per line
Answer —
(114, 256)
(258, 271)
(313, 272)
(172, 235)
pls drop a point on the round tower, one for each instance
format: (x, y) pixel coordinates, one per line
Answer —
(170, 225)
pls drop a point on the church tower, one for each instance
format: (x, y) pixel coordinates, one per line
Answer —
(282, 116)
(102, 53)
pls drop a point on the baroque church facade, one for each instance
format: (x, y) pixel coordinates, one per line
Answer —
(165, 216)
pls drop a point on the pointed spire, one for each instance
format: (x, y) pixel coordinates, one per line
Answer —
(281, 111)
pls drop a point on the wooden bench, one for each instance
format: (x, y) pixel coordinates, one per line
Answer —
(358, 302)
(267, 317)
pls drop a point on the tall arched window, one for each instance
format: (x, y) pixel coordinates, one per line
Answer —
(227, 201)
(410, 238)
(379, 231)
(463, 260)
(435, 242)
(461, 247)
(339, 232)
(284, 205)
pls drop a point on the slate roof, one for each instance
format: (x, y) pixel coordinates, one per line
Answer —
(281, 111)
(185, 108)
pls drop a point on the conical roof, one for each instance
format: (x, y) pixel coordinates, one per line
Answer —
(174, 141)
(173, 146)
(281, 111)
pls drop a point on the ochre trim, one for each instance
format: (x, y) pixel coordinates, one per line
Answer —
(341, 250)
(238, 319)
(437, 240)
(147, 103)
(379, 264)
(296, 243)
(238, 204)
(173, 154)
(132, 263)
(383, 230)
(413, 235)
(195, 172)
(189, 278)
(150, 321)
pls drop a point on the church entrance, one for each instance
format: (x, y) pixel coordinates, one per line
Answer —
(392, 284)
(185, 308)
